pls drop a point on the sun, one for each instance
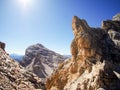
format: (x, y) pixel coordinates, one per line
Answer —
(25, 3)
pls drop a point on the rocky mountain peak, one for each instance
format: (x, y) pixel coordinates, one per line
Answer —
(78, 25)
(89, 42)
(40, 60)
(38, 45)
(95, 60)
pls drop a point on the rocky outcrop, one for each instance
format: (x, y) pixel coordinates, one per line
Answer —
(2, 45)
(95, 60)
(41, 60)
(113, 29)
(14, 77)
(116, 17)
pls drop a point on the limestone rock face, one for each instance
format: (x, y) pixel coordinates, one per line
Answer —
(41, 60)
(94, 64)
(14, 77)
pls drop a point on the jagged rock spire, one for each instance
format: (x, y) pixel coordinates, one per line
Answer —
(94, 64)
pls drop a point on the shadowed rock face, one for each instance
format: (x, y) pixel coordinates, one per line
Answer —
(2, 45)
(95, 60)
(113, 29)
(14, 77)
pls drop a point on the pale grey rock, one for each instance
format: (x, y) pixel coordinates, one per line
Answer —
(40, 60)
(116, 17)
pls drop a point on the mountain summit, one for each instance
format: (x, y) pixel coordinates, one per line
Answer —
(40, 60)
(95, 60)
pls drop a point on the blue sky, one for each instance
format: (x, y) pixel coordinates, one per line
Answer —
(49, 21)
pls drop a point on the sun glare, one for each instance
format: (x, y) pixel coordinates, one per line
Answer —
(25, 3)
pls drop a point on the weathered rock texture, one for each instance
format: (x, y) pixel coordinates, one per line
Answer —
(95, 61)
(2, 45)
(113, 29)
(41, 60)
(15, 77)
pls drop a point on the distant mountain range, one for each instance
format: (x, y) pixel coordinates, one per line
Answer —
(16, 57)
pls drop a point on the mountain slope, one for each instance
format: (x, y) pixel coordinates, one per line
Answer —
(41, 60)
(14, 77)
(95, 61)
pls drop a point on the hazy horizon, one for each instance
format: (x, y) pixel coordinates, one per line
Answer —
(27, 22)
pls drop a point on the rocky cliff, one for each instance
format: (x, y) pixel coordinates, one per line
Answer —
(14, 77)
(113, 29)
(40, 60)
(95, 61)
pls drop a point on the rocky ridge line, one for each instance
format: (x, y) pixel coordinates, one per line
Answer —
(95, 60)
